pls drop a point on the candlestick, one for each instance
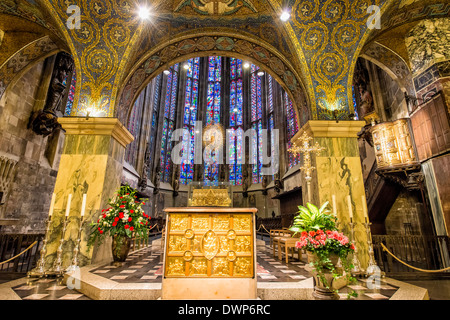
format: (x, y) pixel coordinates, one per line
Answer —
(372, 268)
(76, 249)
(69, 200)
(355, 261)
(83, 205)
(39, 271)
(57, 270)
(366, 216)
(52, 205)
(350, 211)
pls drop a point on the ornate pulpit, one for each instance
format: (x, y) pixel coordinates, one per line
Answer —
(209, 251)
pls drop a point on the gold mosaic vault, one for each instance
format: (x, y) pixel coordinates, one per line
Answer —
(209, 243)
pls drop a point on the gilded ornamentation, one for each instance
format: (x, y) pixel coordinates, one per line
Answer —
(211, 252)
(242, 223)
(243, 244)
(189, 234)
(210, 245)
(175, 266)
(210, 198)
(215, 7)
(221, 267)
(177, 243)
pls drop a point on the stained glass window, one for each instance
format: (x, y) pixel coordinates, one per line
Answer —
(236, 122)
(170, 103)
(71, 95)
(190, 116)
(271, 123)
(257, 125)
(213, 101)
(292, 129)
(155, 113)
(134, 127)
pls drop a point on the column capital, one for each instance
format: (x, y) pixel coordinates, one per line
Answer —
(331, 129)
(97, 126)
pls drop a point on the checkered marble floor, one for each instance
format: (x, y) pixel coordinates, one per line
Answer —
(47, 289)
(145, 266)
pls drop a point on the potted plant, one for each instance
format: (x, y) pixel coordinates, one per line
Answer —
(123, 220)
(324, 245)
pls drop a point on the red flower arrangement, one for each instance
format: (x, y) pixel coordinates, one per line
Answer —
(330, 241)
(124, 217)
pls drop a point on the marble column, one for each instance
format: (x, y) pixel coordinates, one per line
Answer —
(91, 163)
(338, 172)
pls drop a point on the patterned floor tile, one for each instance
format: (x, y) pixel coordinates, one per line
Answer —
(119, 277)
(36, 296)
(376, 296)
(53, 288)
(71, 297)
(128, 271)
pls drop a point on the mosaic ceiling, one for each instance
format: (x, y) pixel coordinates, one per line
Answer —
(317, 49)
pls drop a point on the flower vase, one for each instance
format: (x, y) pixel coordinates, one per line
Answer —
(120, 247)
(321, 291)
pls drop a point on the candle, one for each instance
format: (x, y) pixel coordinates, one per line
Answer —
(366, 216)
(350, 211)
(333, 197)
(83, 206)
(68, 205)
(52, 206)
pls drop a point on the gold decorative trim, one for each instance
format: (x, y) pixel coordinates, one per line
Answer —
(330, 128)
(97, 126)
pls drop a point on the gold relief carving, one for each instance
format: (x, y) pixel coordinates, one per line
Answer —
(199, 267)
(188, 255)
(231, 256)
(175, 267)
(210, 245)
(221, 223)
(189, 234)
(221, 267)
(242, 266)
(177, 243)
(224, 246)
(243, 244)
(200, 223)
(231, 235)
(197, 244)
(242, 223)
(179, 222)
(207, 247)
(210, 198)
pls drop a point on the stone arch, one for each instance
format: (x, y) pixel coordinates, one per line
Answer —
(24, 59)
(213, 43)
(392, 64)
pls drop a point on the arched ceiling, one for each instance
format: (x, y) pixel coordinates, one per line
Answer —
(320, 43)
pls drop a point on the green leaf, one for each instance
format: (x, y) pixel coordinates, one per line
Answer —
(312, 208)
(323, 207)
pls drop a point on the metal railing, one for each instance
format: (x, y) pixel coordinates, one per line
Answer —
(12, 245)
(425, 252)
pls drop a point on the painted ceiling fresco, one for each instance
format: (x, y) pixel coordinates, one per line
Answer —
(317, 48)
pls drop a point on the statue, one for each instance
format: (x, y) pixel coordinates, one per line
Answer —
(245, 181)
(278, 183)
(157, 180)
(264, 185)
(44, 122)
(144, 176)
(176, 183)
(361, 83)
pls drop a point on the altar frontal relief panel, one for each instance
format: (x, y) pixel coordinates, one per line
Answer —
(210, 254)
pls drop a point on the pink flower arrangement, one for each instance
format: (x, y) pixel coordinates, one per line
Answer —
(316, 240)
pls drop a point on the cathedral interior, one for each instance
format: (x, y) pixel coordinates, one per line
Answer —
(92, 94)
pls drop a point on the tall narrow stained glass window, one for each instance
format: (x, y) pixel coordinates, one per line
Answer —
(155, 114)
(190, 116)
(271, 120)
(134, 126)
(170, 103)
(213, 101)
(71, 95)
(292, 129)
(236, 122)
(256, 123)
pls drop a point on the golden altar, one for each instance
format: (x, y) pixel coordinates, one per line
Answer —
(209, 253)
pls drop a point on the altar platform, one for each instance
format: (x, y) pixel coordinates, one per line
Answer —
(140, 278)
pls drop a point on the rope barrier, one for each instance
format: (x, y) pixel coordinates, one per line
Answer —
(412, 267)
(31, 246)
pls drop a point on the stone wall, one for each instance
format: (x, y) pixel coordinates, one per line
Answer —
(404, 216)
(34, 180)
